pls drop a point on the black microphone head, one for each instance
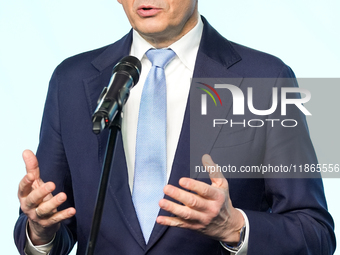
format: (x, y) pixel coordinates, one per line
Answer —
(129, 65)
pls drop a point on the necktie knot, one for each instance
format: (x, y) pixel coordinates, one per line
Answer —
(160, 57)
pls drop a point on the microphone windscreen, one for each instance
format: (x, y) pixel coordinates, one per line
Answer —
(129, 65)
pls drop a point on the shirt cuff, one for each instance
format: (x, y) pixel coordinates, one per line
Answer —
(242, 250)
(30, 249)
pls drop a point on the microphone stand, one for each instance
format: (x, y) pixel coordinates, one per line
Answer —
(97, 215)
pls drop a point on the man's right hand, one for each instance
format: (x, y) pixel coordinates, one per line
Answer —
(38, 203)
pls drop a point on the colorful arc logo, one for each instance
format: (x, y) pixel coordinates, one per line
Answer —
(204, 97)
(209, 93)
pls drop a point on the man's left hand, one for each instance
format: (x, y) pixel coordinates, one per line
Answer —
(209, 210)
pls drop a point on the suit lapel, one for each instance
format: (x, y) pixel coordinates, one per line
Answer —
(94, 84)
(120, 192)
(118, 189)
(215, 57)
(202, 133)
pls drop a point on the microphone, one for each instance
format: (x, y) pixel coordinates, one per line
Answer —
(125, 75)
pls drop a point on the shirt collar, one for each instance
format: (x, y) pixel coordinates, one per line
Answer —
(185, 48)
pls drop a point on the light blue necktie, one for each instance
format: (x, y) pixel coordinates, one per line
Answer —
(150, 164)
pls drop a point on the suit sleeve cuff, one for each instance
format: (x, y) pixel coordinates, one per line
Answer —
(242, 248)
(31, 249)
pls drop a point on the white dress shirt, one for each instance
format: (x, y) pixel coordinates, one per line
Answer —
(178, 79)
(178, 75)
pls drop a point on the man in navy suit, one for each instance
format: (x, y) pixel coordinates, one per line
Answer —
(273, 216)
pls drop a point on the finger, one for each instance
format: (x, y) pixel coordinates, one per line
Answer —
(57, 217)
(187, 198)
(217, 178)
(49, 207)
(177, 222)
(25, 185)
(181, 211)
(37, 183)
(31, 163)
(201, 188)
(38, 195)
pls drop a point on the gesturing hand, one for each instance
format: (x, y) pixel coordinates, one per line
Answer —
(209, 210)
(38, 203)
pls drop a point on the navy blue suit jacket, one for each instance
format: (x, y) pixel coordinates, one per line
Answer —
(287, 216)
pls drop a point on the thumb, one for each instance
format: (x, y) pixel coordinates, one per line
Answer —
(31, 163)
(216, 176)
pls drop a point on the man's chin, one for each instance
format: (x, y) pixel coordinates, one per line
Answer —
(155, 35)
(151, 29)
